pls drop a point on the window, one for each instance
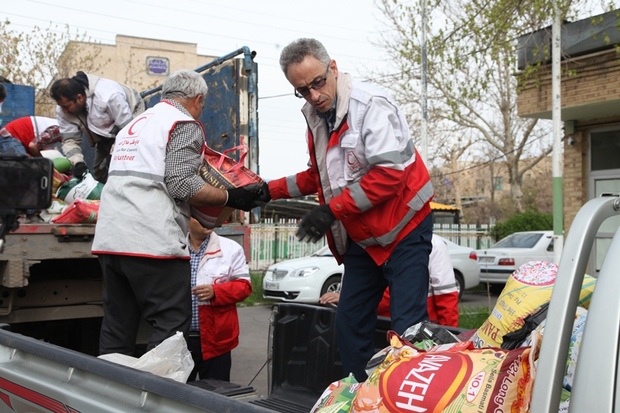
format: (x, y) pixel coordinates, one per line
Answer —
(604, 178)
(518, 240)
(497, 183)
(605, 147)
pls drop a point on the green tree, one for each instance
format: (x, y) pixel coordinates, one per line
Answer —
(38, 57)
(530, 220)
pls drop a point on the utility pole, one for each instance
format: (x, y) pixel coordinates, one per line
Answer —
(424, 123)
(556, 83)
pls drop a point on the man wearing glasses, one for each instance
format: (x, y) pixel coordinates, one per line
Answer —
(374, 191)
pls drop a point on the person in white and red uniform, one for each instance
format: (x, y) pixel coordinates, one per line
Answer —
(30, 134)
(374, 191)
(97, 108)
(220, 280)
(443, 296)
(143, 219)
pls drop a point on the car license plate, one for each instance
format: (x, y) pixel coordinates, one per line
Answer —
(271, 286)
(486, 259)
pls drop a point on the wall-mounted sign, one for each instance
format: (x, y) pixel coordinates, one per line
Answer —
(157, 65)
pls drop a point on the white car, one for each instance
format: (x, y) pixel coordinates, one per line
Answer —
(304, 280)
(505, 256)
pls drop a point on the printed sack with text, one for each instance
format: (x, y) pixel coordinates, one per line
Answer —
(221, 171)
(526, 290)
(87, 188)
(337, 397)
(456, 380)
(80, 211)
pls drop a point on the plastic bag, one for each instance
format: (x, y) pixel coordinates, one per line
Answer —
(223, 172)
(170, 359)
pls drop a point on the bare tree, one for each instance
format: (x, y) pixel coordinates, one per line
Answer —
(38, 57)
(471, 60)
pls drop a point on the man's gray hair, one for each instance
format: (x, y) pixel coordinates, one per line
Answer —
(184, 84)
(296, 51)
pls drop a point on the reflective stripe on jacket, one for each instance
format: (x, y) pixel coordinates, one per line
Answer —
(367, 169)
(137, 216)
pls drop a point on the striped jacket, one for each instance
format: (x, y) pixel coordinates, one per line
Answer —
(367, 169)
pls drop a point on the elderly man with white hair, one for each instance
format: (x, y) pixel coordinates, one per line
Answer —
(144, 216)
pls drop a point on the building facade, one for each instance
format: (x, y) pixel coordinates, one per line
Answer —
(590, 102)
(138, 62)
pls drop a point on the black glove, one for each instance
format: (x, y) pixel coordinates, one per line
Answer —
(245, 198)
(79, 170)
(264, 195)
(315, 223)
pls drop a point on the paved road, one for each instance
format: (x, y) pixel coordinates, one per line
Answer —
(250, 357)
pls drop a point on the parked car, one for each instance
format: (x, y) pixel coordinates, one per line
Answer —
(465, 264)
(505, 256)
(304, 280)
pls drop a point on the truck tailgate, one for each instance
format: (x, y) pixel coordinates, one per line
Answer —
(42, 377)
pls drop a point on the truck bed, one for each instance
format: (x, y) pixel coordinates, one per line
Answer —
(52, 378)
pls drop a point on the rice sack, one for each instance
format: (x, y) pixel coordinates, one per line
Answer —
(527, 288)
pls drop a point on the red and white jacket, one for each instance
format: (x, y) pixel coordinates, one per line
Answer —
(224, 266)
(367, 169)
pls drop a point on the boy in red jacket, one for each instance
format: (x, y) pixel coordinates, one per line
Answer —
(220, 279)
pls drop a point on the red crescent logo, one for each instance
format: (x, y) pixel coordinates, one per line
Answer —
(131, 132)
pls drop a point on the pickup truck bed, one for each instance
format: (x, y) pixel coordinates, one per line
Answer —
(36, 376)
(47, 378)
(303, 360)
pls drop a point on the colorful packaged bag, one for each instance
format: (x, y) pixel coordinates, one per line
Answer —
(528, 288)
(80, 211)
(87, 188)
(337, 397)
(58, 179)
(221, 171)
(455, 380)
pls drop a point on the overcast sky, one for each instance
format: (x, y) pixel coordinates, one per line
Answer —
(347, 28)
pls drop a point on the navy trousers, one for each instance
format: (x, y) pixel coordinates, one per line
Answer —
(405, 272)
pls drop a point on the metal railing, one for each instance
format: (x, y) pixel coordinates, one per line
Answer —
(274, 242)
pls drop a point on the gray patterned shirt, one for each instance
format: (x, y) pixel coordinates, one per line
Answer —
(183, 158)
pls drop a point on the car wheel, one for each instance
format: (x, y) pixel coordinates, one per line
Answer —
(332, 285)
(460, 283)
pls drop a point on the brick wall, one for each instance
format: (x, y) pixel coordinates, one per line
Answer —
(574, 182)
(588, 80)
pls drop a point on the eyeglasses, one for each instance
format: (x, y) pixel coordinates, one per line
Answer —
(302, 92)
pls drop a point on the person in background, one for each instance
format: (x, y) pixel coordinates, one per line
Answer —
(374, 192)
(220, 280)
(29, 135)
(443, 296)
(143, 219)
(97, 108)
